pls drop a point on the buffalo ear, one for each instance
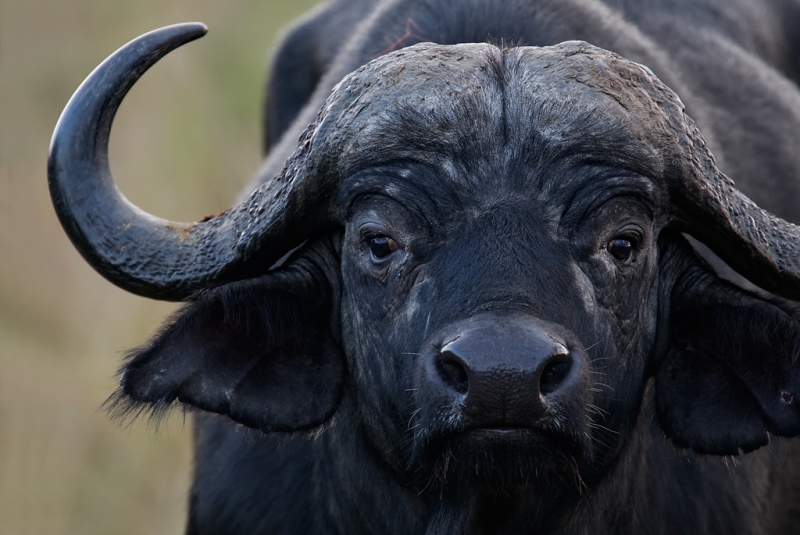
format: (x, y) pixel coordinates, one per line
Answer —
(731, 374)
(260, 351)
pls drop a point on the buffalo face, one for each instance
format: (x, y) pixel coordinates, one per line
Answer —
(500, 282)
(489, 269)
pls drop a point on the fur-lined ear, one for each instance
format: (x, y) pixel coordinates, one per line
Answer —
(731, 373)
(261, 351)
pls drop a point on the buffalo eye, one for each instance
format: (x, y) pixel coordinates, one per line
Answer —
(620, 248)
(381, 246)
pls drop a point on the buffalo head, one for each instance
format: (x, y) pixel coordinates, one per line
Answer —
(488, 268)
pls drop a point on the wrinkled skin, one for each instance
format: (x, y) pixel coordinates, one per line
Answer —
(529, 241)
(518, 232)
(502, 327)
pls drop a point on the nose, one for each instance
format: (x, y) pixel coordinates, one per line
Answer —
(508, 372)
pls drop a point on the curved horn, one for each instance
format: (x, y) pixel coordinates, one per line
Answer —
(142, 253)
(757, 244)
(703, 201)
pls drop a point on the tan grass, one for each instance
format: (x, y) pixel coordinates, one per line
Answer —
(185, 142)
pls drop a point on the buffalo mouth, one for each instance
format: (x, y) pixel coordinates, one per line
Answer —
(502, 459)
(501, 402)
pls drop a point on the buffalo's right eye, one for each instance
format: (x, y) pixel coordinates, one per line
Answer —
(620, 248)
(382, 246)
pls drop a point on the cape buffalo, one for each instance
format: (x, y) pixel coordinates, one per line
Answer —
(466, 301)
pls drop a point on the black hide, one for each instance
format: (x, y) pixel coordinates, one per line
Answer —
(259, 351)
(504, 330)
(730, 374)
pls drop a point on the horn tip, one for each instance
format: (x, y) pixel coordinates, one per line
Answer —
(192, 30)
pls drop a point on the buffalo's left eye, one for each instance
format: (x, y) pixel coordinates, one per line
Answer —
(382, 246)
(620, 248)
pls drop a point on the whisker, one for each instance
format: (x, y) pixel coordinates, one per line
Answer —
(591, 346)
(602, 427)
(597, 409)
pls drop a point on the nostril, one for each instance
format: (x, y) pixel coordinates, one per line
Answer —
(554, 373)
(452, 371)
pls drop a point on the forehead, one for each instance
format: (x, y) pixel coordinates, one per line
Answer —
(482, 119)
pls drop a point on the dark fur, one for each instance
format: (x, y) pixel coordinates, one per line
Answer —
(683, 365)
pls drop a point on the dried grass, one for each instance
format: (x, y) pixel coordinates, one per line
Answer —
(185, 142)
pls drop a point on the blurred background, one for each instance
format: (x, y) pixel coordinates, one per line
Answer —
(185, 142)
